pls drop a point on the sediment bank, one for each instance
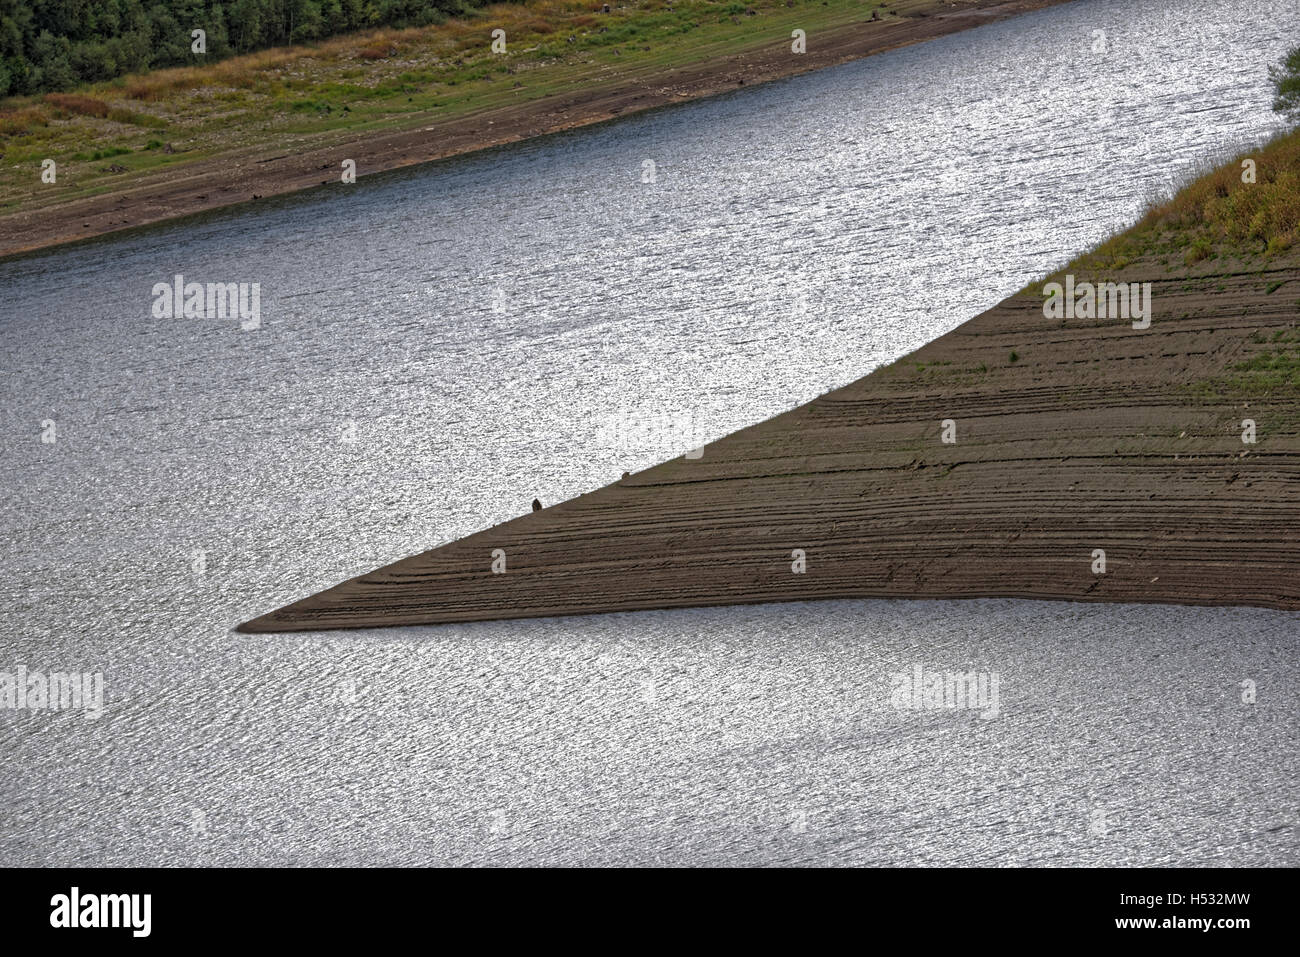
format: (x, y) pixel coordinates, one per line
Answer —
(1073, 436)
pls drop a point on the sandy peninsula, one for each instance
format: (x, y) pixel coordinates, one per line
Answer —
(1041, 450)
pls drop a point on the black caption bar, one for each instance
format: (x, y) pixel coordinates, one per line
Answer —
(142, 907)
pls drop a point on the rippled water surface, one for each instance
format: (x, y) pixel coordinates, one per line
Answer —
(438, 346)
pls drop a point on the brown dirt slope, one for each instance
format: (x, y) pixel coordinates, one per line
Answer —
(1096, 436)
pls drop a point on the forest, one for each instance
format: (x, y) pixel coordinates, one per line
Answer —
(49, 45)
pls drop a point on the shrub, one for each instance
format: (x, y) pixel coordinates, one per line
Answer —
(17, 122)
(80, 105)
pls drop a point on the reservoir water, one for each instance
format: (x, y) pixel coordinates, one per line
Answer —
(439, 346)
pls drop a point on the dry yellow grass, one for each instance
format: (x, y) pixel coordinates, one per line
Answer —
(1221, 212)
(238, 71)
(13, 122)
(1224, 207)
(81, 105)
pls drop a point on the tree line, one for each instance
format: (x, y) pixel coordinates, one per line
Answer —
(48, 45)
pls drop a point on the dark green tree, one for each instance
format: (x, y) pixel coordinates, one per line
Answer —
(1287, 80)
(48, 45)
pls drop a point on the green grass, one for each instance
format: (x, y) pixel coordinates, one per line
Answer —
(1271, 370)
(102, 154)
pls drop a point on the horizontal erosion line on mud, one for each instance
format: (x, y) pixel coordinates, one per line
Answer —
(1100, 457)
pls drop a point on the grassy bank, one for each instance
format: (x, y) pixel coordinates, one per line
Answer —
(1222, 225)
(106, 136)
(1226, 213)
